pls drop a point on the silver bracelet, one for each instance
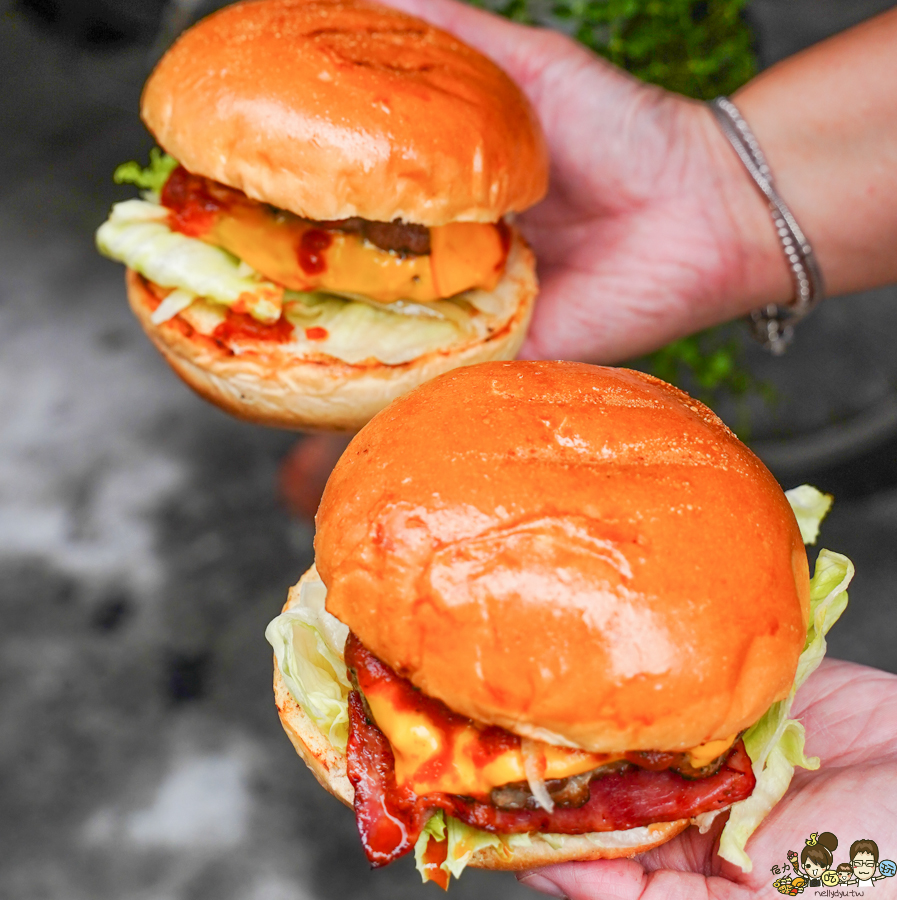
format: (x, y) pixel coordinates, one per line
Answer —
(773, 325)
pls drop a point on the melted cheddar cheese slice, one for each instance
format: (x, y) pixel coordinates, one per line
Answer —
(302, 257)
(456, 757)
(705, 754)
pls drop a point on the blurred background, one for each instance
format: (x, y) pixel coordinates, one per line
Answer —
(143, 542)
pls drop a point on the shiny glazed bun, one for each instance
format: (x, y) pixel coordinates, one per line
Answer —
(340, 108)
(328, 765)
(269, 384)
(581, 555)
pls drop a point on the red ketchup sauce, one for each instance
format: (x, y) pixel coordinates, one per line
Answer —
(242, 325)
(390, 818)
(370, 672)
(310, 252)
(504, 235)
(195, 202)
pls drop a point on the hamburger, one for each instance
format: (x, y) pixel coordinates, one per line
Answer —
(557, 612)
(330, 223)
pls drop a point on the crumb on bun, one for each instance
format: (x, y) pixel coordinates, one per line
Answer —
(340, 108)
(581, 555)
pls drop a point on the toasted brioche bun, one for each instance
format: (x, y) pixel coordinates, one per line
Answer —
(269, 385)
(581, 555)
(328, 765)
(339, 108)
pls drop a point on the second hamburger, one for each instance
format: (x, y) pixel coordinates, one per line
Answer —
(566, 614)
(332, 226)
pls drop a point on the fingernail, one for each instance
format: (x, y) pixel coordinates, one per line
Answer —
(542, 884)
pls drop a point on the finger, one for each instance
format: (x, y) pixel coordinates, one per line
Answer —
(621, 879)
(526, 54)
(625, 879)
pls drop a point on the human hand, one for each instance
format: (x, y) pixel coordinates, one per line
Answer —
(651, 228)
(850, 714)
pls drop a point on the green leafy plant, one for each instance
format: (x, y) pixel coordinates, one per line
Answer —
(701, 48)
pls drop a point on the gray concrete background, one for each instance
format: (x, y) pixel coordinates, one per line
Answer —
(143, 549)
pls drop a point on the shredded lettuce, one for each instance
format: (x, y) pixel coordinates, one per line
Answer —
(151, 178)
(308, 644)
(359, 331)
(463, 841)
(810, 507)
(776, 743)
(137, 234)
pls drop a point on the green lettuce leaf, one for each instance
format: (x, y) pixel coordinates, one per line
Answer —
(151, 178)
(308, 644)
(776, 743)
(810, 507)
(137, 234)
(357, 331)
(463, 841)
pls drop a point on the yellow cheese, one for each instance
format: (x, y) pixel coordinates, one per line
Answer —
(302, 257)
(705, 754)
(456, 757)
(461, 758)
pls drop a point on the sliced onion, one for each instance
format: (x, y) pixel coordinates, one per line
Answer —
(534, 767)
(177, 301)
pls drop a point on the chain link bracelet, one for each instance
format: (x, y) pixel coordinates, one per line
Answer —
(773, 325)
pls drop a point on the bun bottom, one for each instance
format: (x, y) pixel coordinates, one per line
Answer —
(267, 385)
(328, 765)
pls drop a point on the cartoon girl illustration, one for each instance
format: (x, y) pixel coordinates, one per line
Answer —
(816, 856)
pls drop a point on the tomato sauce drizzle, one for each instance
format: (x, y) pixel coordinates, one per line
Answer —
(310, 252)
(195, 202)
(435, 854)
(390, 818)
(242, 325)
(504, 235)
(370, 671)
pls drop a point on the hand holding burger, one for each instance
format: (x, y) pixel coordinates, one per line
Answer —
(566, 615)
(332, 226)
(853, 787)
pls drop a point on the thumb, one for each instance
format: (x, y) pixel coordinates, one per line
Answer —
(522, 51)
(612, 879)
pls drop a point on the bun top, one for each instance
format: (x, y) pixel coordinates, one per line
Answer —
(581, 555)
(340, 108)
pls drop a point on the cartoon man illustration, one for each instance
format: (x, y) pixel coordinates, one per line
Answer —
(864, 861)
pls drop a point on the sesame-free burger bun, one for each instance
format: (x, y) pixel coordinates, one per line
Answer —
(269, 384)
(581, 555)
(340, 108)
(328, 765)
